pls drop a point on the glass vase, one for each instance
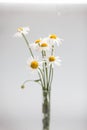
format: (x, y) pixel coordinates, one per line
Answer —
(46, 109)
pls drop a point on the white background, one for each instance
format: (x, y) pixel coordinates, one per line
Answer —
(21, 109)
(45, 1)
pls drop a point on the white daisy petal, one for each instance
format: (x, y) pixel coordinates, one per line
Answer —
(34, 46)
(17, 34)
(57, 63)
(58, 59)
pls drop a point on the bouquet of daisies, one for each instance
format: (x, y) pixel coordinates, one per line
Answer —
(44, 67)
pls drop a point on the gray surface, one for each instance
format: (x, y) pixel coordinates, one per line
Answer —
(21, 109)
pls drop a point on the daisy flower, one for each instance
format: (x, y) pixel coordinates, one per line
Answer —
(33, 64)
(54, 60)
(40, 45)
(44, 45)
(38, 41)
(36, 44)
(53, 39)
(22, 30)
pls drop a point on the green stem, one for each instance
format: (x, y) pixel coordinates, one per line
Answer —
(45, 76)
(37, 81)
(52, 50)
(28, 45)
(45, 73)
(46, 68)
(31, 81)
(50, 76)
(40, 76)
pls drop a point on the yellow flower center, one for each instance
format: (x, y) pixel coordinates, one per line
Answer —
(37, 41)
(20, 29)
(52, 58)
(44, 45)
(34, 64)
(53, 36)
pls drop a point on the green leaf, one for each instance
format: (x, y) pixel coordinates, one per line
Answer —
(37, 80)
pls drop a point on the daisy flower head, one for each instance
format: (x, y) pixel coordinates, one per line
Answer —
(22, 30)
(41, 44)
(38, 41)
(33, 63)
(54, 60)
(44, 45)
(54, 39)
(35, 45)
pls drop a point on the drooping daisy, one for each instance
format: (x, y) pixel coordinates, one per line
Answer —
(53, 39)
(54, 60)
(22, 30)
